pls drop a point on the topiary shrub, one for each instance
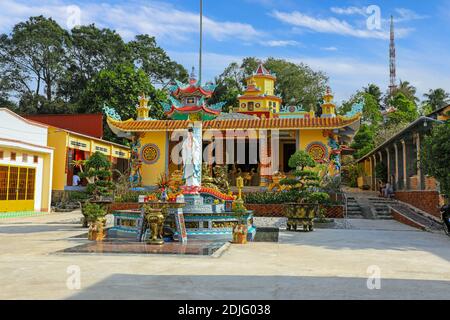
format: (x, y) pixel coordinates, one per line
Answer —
(97, 171)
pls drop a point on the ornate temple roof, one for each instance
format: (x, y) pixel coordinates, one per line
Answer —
(261, 71)
(188, 101)
(232, 124)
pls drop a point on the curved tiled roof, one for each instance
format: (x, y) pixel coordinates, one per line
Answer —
(230, 124)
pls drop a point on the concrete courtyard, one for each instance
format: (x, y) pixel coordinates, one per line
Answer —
(326, 264)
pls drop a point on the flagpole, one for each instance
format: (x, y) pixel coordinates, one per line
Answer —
(201, 43)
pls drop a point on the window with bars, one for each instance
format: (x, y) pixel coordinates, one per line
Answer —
(12, 186)
(3, 182)
(13, 156)
(30, 184)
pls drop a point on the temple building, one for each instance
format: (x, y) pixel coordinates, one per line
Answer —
(261, 125)
(399, 162)
(26, 165)
(74, 138)
(259, 98)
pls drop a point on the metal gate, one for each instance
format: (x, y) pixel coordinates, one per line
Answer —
(17, 186)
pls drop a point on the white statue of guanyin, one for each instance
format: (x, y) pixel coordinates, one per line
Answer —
(192, 157)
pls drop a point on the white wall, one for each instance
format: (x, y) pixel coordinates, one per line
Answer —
(14, 127)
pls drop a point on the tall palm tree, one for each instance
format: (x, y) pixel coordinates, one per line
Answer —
(408, 90)
(436, 99)
(375, 91)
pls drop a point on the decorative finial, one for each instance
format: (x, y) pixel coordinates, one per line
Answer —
(193, 77)
(328, 96)
(143, 101)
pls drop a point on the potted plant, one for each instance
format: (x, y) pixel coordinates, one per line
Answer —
(304, 188)
(97, 171)
(240, 229)
(95, 217)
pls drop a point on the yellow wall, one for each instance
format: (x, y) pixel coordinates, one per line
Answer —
(309, 136)
(43, 177)
(152, 173)
(443, 116)
(58, 140)
(267, 86)
(46, 184)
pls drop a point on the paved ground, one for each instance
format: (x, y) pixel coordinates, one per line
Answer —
(326, 264)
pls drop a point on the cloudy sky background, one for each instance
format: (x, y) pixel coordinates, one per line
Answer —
(331, 36)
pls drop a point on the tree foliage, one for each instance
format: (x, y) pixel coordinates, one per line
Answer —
(32, 59)
(97, 170)
(406, 110)
(436, 156)
(47, 69)
(434, 100)
(364, 141)
(407, 89)
(296, 83)
(119, 88)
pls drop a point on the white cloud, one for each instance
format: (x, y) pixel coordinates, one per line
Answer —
(402, 14)
(281, 43)
(349, 10)
(330, 49)
(408, 15)
(333, 26)
(130, 18)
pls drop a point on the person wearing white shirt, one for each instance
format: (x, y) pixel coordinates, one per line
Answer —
(75, 180)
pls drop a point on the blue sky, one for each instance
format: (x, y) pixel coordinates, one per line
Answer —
(331, 36)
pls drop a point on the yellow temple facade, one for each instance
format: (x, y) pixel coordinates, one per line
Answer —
(259, 97)
(271, 131)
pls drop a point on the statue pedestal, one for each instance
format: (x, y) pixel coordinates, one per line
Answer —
(207, 216)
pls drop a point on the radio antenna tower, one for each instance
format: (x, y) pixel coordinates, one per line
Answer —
(392, 64)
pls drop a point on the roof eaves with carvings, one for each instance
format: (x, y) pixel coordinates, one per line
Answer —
(233, 123)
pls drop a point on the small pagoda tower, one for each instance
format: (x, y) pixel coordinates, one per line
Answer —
(259, 97)
(188, 101)
(328, 108)
(143, 109)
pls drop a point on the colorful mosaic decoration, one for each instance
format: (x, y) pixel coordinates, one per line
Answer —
(150, 154)
(318, 151)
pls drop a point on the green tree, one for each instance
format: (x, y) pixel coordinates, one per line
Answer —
(435, 99)
(408, 90)
(406, 110)
(155, 62)
(91, 51)
(230, 84)
(296, 83)
(120, 88)
(33, 57)
(5, 98)
(371, 111)
(375, 92)
(97, 170)
(304, 178)
(363, 142)
(436, 156)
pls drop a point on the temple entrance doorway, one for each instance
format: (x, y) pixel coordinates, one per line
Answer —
(288, 150)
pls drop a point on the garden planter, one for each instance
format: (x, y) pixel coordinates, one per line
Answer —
(240, 234)
(300, 214)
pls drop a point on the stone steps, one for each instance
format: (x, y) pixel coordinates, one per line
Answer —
(354, 209)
